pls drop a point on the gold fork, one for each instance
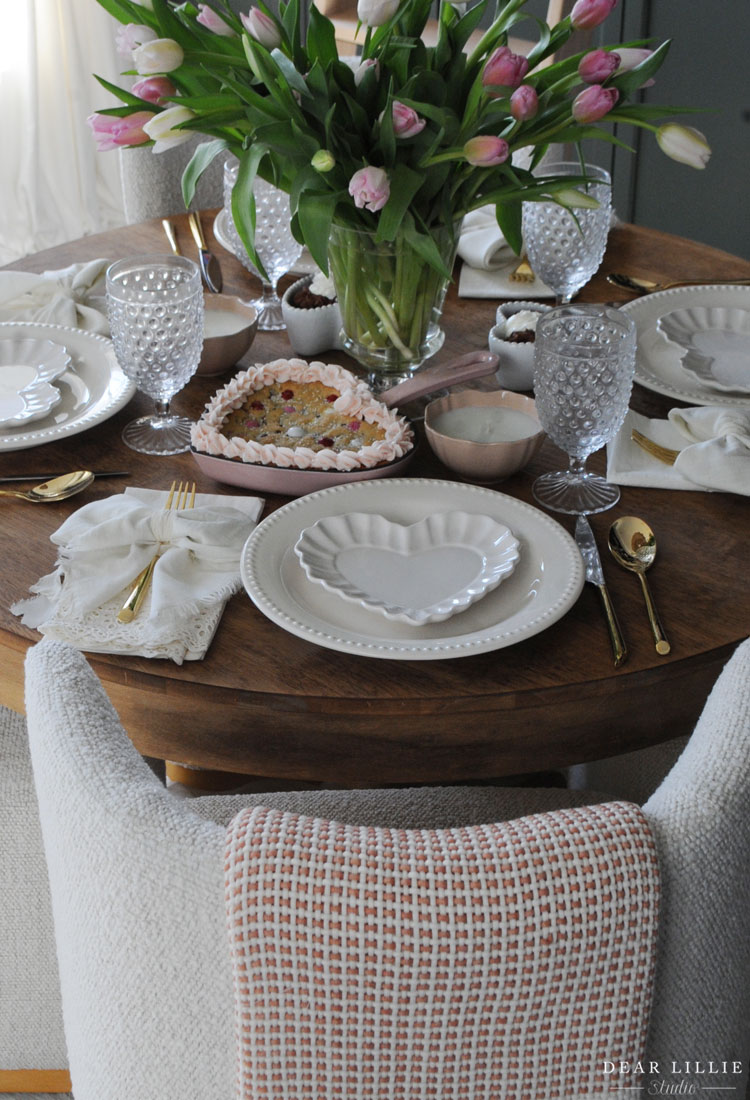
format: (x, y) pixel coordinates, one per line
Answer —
(664, 454)
(522, 272)
(183, 496)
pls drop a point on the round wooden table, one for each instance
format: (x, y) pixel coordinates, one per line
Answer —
(267, 703)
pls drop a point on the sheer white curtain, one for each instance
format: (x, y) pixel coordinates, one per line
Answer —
(54, 186)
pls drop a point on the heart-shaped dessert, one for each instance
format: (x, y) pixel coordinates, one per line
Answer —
(417, 573)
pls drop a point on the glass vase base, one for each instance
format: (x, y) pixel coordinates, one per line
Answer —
(575, 494)
(158, 435)
(386, 367)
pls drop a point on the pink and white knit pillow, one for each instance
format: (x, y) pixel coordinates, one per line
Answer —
(493, 962)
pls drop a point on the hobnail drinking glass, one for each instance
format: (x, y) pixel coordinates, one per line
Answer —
(566, 250)
(274, 242)
(584, 359)
(155, 310)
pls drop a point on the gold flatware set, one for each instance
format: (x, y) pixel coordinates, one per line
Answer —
(180, 497)
(209, 264)
(59, 488)
(667, 455)
(523, 271)
(649, 286)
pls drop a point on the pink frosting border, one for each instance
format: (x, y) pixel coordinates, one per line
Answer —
(355, 399)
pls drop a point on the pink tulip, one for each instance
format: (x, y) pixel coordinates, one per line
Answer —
(262, 28)
(163, 55)
(505, 68)
(594, 102)
(406, 121)
(524, 103)
(111, 132)
(590, 13)
(684, 144)
(155, 89)
(370, 187)
(131, 36)
(598, 66)
(207, 17)
(486, 151)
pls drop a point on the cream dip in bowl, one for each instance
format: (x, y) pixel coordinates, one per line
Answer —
(484, 435)
(229, 327)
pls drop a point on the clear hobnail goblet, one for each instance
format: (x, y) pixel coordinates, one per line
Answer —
(274, 242)
(566, 250)
(155, 310)
(584, 359)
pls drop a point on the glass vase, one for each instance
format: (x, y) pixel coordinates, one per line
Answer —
(390, 298)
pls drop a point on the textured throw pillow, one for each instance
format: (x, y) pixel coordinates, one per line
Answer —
(492, 962)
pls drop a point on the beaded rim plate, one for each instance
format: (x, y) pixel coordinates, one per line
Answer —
(658, 367)
(544, 585)
(93, 387)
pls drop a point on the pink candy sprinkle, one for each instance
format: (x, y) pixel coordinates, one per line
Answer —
(354, 425)
(252, 423)
(289, 409)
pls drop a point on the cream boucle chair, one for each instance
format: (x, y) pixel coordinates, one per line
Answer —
(137, 880)
(33, 1056)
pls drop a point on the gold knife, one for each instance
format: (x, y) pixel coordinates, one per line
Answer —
(595, 575)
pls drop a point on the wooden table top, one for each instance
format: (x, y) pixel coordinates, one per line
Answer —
(267, 703)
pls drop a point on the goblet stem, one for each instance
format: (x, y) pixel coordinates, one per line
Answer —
(270, 317)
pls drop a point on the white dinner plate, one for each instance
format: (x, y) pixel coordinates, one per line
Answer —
(92, 389)
(658, 361)
(544, 585)
(303, 265)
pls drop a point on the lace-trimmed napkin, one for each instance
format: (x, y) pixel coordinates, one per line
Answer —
(714, 446)
(105, 545)
(72, 296)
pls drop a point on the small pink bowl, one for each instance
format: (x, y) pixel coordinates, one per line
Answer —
(483, 462)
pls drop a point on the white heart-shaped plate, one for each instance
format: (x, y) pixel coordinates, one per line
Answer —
(417, 573)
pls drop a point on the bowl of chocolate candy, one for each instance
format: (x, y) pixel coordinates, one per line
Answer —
(512, 340)
(312, 316)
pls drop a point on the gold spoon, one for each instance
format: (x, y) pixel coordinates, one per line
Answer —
(632, 543)
(647, 286)
(57, 489)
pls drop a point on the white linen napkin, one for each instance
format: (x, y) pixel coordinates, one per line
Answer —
(104, 546)
(714, 446)
(73, 296)
(488, 260)
(481, 243)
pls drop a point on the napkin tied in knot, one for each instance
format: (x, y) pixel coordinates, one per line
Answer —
(103, 547)
(72, 296)
(713, 443)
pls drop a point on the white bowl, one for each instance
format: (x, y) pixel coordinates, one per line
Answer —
(515, 369)
(415, 573)
(311, 331)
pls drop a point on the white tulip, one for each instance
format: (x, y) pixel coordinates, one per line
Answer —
(373, 13)
(160, 56)
(161, 128)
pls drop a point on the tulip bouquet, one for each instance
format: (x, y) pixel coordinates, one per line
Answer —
(397, 144)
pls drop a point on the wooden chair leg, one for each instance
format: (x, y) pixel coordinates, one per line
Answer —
(34, 1080)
